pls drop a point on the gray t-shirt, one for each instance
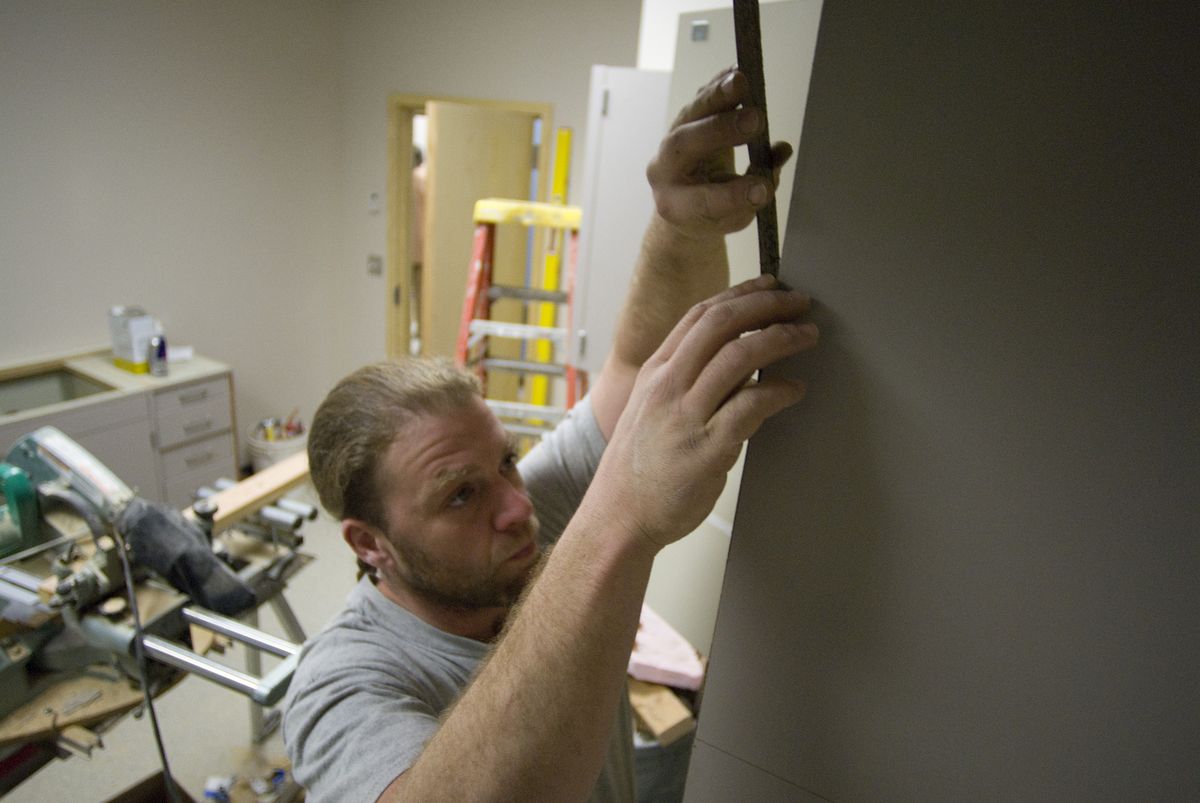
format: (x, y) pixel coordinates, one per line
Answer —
(370, 688)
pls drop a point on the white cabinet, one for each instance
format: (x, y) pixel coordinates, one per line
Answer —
(164, 436)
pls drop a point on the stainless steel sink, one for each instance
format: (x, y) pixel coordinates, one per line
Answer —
(44, 388)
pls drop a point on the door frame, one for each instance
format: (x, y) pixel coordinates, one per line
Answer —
(401, 109)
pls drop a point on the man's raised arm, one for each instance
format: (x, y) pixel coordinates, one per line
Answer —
(535, 723)
(675, 401)
(698, 200)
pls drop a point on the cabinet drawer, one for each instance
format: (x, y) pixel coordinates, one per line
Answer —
(214, 455)
(188, 467)
(186, 397)
(192, 412)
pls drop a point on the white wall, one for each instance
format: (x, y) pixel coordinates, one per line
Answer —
(657, 29)
(532, 50)
(659, 25)
(182, 156)
(213, 162)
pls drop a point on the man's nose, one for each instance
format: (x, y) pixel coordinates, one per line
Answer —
(515, 508)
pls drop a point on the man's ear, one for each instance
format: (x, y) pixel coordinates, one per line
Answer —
(367, 541)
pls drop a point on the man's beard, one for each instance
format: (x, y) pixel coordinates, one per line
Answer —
(444, 587)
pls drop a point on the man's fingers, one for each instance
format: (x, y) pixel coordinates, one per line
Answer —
(692, 174)
(747, 409)
(780, 153)
(727, 371)
(721, 207)
(692, 143)
(671, 342)
(717, 323)
(725, 91)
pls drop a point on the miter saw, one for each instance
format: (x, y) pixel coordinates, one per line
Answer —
(66, 476)
(74, 539)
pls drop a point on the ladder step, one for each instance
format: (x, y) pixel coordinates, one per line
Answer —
(547, 368)
(521, 410)
(497, 291)
(527, 213)
(517, 331)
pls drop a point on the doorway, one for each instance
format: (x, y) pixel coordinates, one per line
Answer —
(470, 149)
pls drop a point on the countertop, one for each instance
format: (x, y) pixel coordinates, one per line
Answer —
(97, 364)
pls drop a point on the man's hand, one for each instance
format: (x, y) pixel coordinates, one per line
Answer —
(695, 187)
(698, 200)
(694, 404)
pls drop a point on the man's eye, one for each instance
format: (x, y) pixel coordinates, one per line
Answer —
(461, 496)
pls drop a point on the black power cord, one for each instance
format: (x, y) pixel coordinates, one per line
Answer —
(80, 506)
(140, 655)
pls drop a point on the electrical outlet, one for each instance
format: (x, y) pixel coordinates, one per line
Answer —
(374, 265)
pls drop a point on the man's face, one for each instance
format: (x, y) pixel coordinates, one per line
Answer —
(460, 526)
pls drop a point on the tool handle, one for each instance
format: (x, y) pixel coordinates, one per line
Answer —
(748, 34)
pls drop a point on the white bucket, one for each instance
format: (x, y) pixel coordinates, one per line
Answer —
(265, 453)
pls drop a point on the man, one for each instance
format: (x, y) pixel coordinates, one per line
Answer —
(436, 683)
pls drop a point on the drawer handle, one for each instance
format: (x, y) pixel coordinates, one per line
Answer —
(197, 426)
(195, 396)
(199, 460)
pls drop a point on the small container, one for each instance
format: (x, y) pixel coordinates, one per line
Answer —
(156, 355)
(131, 329)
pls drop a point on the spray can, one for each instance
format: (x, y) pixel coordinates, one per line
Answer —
(157, 355)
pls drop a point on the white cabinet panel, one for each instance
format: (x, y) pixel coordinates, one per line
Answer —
(183, 399)
(115, 429)
(125, 449)
(627, 115)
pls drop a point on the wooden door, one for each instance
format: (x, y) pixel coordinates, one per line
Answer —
(474, 152)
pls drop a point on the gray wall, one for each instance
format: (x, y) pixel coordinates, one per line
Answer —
(966, 568)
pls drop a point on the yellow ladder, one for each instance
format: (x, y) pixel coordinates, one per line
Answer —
(552, 264)
(547, 301)
(477, 328)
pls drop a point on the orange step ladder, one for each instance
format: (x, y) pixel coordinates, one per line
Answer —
(477, 328)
